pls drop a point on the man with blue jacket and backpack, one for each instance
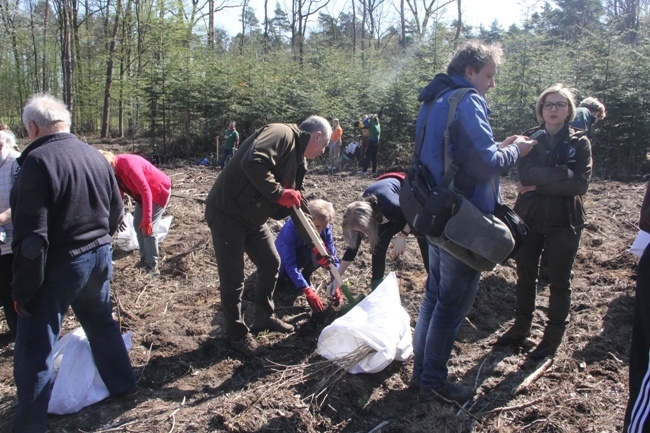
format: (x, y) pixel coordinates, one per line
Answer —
(452, 284)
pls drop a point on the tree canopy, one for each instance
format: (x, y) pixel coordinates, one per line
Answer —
(165, 71)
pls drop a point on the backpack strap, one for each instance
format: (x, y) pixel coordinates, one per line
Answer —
(451, 168)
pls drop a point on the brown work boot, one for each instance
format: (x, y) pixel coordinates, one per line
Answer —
(247, 346)
(272, 324)
(518, 332)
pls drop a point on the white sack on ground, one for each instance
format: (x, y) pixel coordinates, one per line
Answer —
(640, 243)
(378, 321)
(77, 383)
(126, 239)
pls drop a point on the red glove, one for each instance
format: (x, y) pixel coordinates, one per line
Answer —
(16, 307)
(323, 261)
(290, 197)
(313, 300)
(147, 228)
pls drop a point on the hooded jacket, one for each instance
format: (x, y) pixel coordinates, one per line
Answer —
(472, 144)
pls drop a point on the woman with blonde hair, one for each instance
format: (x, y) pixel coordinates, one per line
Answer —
(553, 178)
(378, 219)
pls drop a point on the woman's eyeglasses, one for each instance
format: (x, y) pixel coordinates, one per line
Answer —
(557, 105)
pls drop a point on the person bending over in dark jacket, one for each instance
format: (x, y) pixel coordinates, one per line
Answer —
(378, 218)
(553, 178)
(262, 180)
(66, 206)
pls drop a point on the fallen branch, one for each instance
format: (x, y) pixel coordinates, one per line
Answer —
(532, 377)
(195, 247)
(512, 408)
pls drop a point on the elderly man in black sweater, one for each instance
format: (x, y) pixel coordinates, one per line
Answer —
(66, 205)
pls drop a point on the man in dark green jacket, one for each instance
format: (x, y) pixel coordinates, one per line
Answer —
(262, 180)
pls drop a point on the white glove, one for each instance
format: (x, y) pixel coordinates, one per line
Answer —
(398, 246)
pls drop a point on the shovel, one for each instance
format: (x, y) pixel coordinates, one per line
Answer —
(317, 241)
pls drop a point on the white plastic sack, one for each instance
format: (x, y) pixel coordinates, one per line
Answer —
(378, 321)
(77, 383)
(640, 243)
(127, 239)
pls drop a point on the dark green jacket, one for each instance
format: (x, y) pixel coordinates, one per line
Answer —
(557, 200)
(266, 163)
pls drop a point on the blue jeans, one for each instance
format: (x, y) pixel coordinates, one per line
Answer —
(82, 282)
(148, 245)
(225, 154)
(450, 293)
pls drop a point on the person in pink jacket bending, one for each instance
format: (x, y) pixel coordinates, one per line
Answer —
(151, 189)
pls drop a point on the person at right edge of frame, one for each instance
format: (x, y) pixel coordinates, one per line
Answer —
(452, 285)
(637, 414)
(262, 181)
(553, 179)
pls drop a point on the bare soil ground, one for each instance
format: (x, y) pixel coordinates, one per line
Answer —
(191, 381)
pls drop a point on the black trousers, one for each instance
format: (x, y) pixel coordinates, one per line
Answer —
(637, 414)
(6, 275)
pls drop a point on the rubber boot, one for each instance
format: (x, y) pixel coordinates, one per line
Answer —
(518, 332)
(551, 340)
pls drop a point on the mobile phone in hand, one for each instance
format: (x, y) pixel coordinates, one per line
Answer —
(537, 134)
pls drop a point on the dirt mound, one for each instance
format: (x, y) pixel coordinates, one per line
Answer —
(191, 381)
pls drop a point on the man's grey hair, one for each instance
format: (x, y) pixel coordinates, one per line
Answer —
(315, 124)
(359, 218)
(44, 110)
(476, 55)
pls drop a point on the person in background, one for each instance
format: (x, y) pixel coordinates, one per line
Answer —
(452, 285)
(553, 178)
(151, 190)
(8, 173)
(637, 414)
(374, 133)
(263, 180)
(352, 153)
(65, 207)
(335, 146)
(298, 260)
(378, 218)
(230, 143)
(590, 112)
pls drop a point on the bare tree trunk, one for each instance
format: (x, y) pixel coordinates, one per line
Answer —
(459, 24)
(45, 59)
(354, 27)
(364, 16)
(402, 19)
(66, 54)
(211, 24)
(243, 26)
(106, 114)
(267, 42)
(34, 47)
